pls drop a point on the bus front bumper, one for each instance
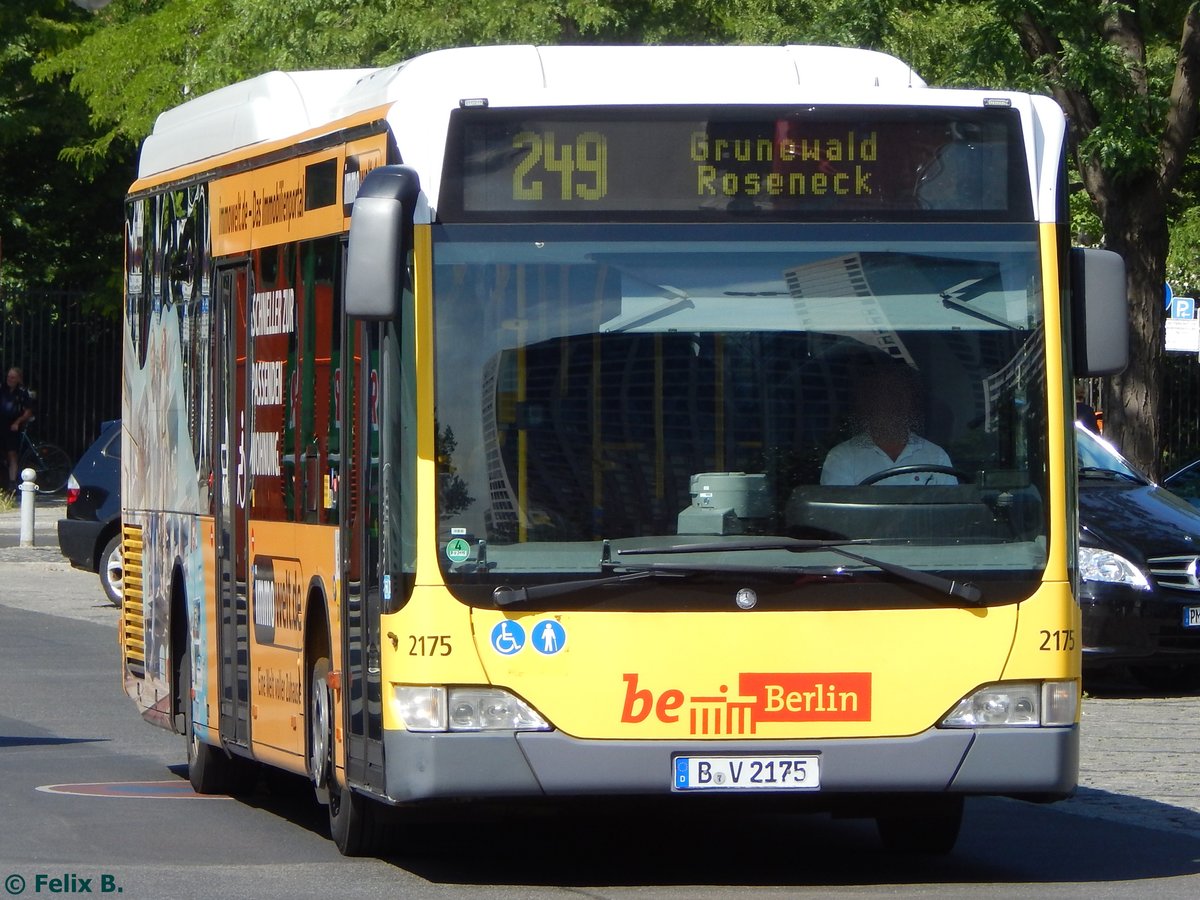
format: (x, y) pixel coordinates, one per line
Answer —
(1034, 763)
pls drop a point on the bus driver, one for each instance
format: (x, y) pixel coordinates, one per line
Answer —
(885, 416)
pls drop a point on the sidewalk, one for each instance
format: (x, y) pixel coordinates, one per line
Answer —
(47, 511)
(39, 578)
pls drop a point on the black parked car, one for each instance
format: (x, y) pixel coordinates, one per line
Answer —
(90, 535)
(1139, 557)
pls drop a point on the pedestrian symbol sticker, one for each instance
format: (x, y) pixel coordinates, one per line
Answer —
(508, 637)
(549, 637)
(458, 550)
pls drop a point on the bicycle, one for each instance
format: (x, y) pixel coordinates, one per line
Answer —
(51, 463)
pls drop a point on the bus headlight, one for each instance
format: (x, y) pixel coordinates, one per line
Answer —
(435, 708)
(1104, 565)
(1021, 704)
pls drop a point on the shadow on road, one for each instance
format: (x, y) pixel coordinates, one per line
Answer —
(1002, 842)
(578, 845)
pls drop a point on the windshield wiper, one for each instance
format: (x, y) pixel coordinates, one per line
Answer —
(962, 590)
(506, 595)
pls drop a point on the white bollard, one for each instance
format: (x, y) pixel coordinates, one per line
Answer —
(28, 492)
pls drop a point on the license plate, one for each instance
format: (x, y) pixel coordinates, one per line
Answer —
(747, 773)
(1191, 617)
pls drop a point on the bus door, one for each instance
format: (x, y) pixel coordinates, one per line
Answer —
(362, 691)
(229, 501)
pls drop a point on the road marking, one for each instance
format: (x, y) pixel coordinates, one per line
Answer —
(144, 790)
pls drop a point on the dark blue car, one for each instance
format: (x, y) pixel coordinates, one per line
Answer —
(90, 535)
(1139, 566)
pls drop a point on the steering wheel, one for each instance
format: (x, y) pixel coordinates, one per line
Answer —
(914, 469)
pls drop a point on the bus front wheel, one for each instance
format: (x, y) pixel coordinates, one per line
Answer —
(210, 769)
(353, 819)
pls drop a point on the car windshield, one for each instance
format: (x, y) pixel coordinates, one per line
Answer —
(604, 388)
(1097, 457)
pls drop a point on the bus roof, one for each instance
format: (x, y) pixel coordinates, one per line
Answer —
(265, 108)
(277, 105)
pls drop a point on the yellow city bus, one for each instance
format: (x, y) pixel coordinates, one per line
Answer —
(476, 415)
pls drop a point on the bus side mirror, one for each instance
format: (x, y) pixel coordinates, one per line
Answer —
(380, 234)
(1099, 312)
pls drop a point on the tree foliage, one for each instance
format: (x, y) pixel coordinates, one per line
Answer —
(60, 226)
(1128, 77)
(188, 47)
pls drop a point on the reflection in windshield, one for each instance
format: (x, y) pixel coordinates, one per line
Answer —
(1095, 454)
(622, 384)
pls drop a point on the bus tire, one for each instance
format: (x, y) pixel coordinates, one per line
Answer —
(928, 827)
(210, 770)
(354, 823)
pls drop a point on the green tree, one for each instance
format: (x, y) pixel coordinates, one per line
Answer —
(1128, 76)
(162, 51)
(61, 222)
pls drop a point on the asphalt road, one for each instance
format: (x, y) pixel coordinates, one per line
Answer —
(1132, 830)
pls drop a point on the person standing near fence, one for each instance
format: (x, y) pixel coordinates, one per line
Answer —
(16, 409)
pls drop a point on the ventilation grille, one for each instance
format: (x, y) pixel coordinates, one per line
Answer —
(133, 621)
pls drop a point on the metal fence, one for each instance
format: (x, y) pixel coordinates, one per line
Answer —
(71, 360)
(1180, 411)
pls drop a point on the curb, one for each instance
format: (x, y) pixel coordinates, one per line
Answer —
(47, 512)
(39, 578)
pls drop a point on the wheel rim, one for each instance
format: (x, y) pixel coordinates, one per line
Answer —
(114, 571)
(321, 720)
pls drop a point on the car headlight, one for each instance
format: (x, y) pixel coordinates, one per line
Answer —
(436, 708)
(1104, 565)
(1024, 704)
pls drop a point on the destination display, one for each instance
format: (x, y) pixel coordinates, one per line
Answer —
(684, 163)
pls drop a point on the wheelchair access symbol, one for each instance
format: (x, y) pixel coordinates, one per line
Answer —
(508, 637)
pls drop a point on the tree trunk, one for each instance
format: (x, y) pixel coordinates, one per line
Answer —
(1136, 227)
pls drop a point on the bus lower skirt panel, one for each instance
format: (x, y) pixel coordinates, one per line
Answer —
(1040, 763)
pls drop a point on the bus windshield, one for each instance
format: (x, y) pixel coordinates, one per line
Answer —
(602, 389)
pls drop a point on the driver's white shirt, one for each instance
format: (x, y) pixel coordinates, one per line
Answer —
(858, 458)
